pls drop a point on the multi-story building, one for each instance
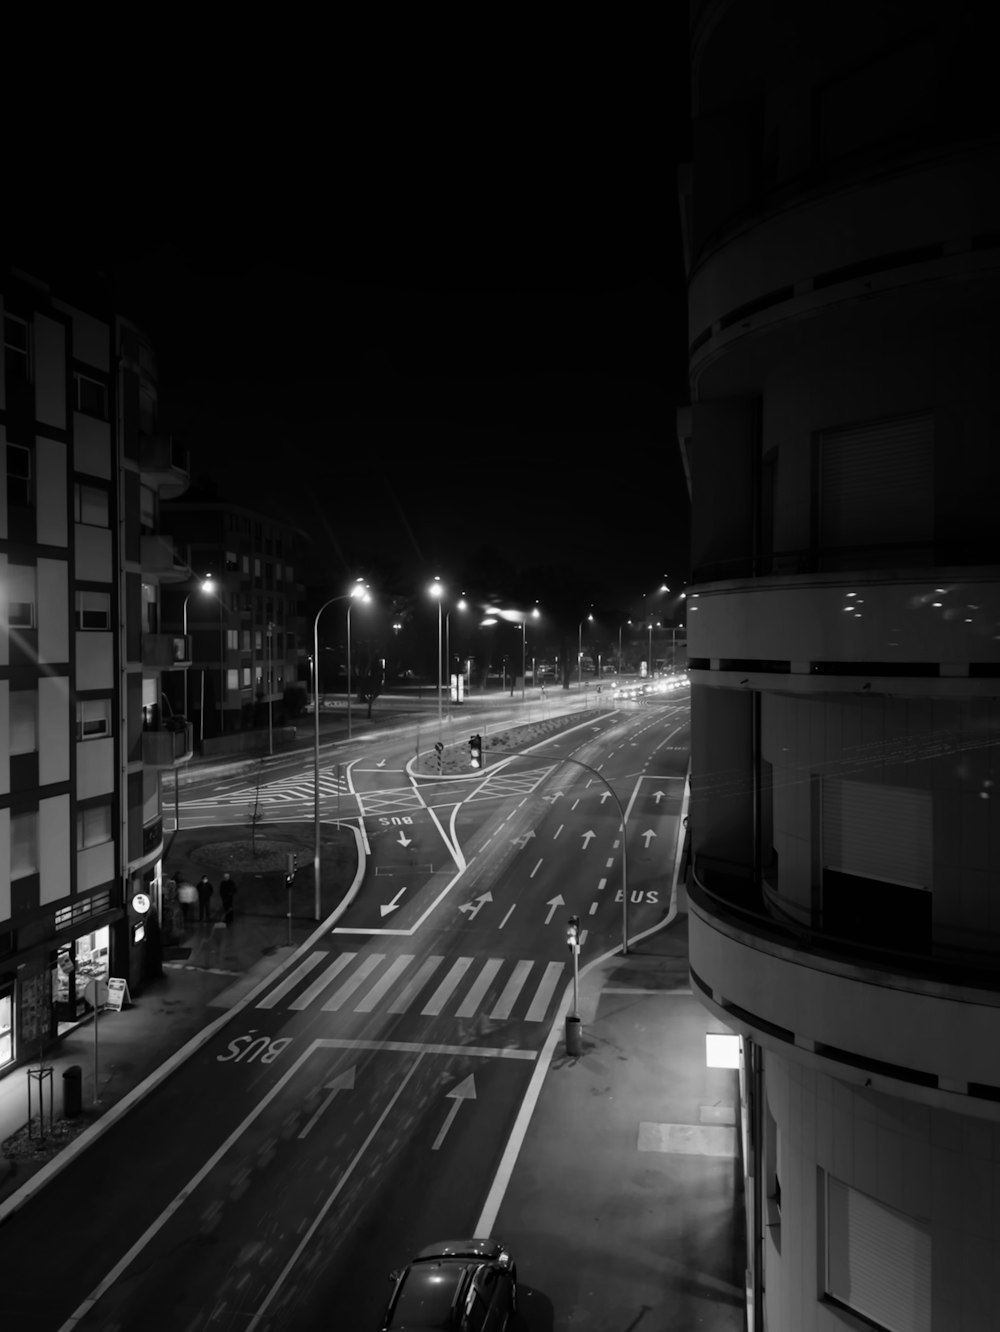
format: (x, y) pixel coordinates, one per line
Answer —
(81, 739)
(842, 448)
(241, 612)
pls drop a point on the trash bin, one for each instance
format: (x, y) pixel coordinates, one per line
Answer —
(73, 1091)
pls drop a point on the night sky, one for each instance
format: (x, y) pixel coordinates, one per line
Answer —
(456, 338)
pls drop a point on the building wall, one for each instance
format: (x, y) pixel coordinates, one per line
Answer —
(844, 642)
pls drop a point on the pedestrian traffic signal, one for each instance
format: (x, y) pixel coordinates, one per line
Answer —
(476, 750)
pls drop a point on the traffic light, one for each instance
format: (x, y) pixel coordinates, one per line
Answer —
(476, 750)
(573, 934)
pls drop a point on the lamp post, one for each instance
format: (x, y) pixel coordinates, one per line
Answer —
(459, 605)
(535, 613)
(357, 590)
(206, 585)
(267, 686)
(436, 590)
(579, 652)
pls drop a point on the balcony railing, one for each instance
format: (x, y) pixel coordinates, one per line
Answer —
(167, 748)
(746, 906)
(166, 651)
(162, 559)
(165, 464)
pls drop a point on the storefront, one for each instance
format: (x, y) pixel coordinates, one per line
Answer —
(78, 962)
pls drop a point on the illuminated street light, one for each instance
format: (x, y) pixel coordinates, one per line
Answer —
(461, 605)
(358, 590)
(437, 590)
(579, 653)
(206, 585)
(535, 613)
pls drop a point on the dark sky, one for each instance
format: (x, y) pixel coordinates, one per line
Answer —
(459, 329)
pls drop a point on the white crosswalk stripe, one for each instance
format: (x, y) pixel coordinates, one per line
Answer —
(499, 990)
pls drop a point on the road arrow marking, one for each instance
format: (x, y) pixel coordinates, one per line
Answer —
(386, 907)
(343, 1082)
(587, 837)
(473, 908)
(380, 763)
(648, 835)
(465, 1091)
(605, 795)
(552, 903)
(525, 838)
(404, 840)
(660, 795)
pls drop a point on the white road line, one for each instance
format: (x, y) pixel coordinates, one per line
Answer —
(427, 969)
(511, 990)
(535, 870)
(318, 986)
(292, 979)
(445, 990)
(382, 986)
(468, 1006)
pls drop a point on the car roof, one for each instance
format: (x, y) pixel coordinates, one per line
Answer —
(428, 1293)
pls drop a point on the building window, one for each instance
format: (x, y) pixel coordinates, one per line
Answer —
(23, 721)
(245, 564)
(93, 718)
(93, 826)
(90, 505)
(246, 677)
(15, 355)
(232, 680)
(93, 610)
(258, 640)
(19, 487)
(256, 568)
(23, 844)
(91, 396)
(878, 1260)
(147, 507)
(232, 639)
(245, 640)
(21, 596)
(232, 562)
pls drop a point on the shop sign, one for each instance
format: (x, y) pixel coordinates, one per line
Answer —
(140, 904)
(117, 992)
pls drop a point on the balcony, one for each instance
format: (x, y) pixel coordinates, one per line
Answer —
(165, 749)
(166, 651)
(162, 561)
(164, 464)
(893, 1019)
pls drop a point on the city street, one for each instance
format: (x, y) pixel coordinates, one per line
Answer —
(357, 1106)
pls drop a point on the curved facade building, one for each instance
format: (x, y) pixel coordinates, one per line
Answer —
(842, 449)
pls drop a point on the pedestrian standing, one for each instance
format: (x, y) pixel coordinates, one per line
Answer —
(204, 898)
(187, 895)
(227, 891)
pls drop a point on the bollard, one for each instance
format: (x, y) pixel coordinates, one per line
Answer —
(72, 1091)
(574, 1035)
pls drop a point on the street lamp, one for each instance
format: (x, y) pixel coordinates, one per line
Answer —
(206, 585)
(459, 605)
(436, 590)
(357, 591)
(579, 653)
(535, 614)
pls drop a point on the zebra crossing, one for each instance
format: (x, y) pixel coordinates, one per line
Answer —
(499, 990)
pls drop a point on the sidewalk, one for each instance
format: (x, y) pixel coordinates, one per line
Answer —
(620, 1191)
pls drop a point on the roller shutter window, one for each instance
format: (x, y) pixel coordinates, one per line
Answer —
(877, 484)
(878, 1261)
(878, 832)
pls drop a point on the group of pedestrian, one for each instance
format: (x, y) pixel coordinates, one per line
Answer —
(200, 894)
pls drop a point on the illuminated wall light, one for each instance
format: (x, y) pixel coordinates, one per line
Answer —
(937, 604)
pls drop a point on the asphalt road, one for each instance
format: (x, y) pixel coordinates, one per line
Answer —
(357, 1107)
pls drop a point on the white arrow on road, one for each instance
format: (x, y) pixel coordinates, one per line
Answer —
(586, 838)
(343, 1082)
(556, 795)
(660, 795)
(605, 795)
(380, 763)
(648, 835)
(552, 903)
(473, 908)
(386, 907)
(465, 1091)
(403, 839)
(525, 838)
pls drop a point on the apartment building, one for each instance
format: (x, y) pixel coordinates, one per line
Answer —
(241, 612)
(83, 743)
(842, 449)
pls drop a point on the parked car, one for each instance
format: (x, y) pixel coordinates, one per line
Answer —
(454, 1286)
